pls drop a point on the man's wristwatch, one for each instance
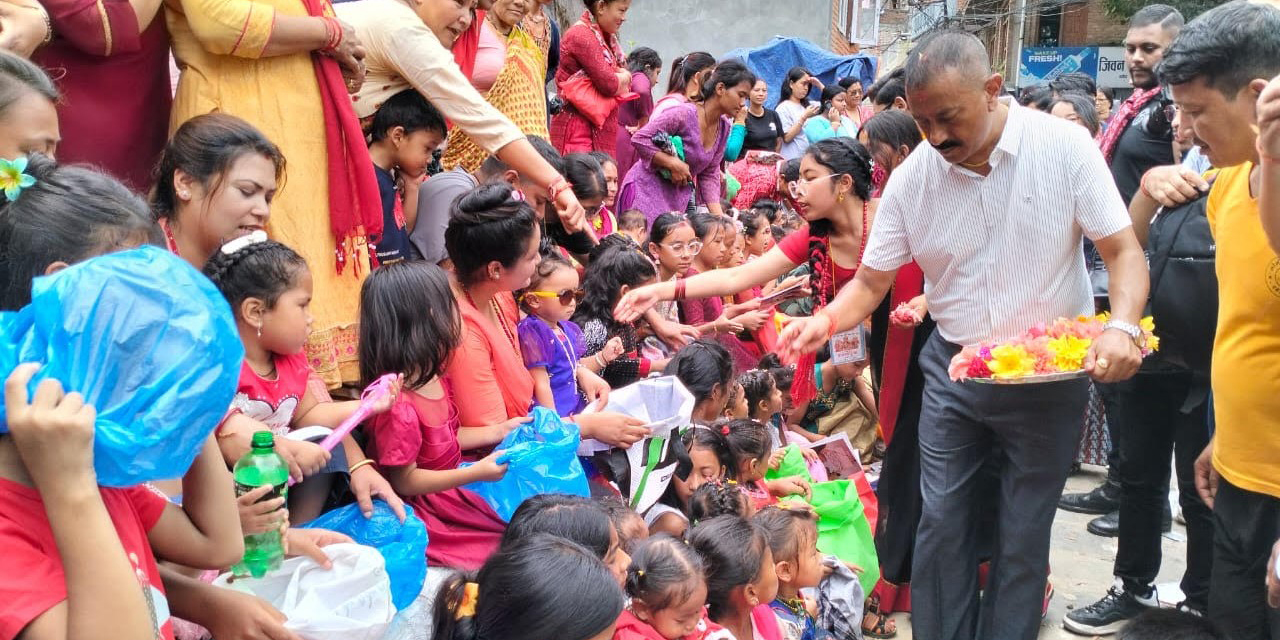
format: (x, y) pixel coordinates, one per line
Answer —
(1132, 330)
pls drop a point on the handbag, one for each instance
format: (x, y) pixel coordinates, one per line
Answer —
(579, 91)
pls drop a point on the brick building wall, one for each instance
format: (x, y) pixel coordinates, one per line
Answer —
(890, 50)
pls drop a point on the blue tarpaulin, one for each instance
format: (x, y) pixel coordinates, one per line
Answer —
(772, 61)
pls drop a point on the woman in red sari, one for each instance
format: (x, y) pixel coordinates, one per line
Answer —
(591, 47)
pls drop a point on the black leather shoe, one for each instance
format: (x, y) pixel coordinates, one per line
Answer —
(1102, 500)
(1108, 526)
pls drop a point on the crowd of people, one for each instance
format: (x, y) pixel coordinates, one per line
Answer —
(496, 210)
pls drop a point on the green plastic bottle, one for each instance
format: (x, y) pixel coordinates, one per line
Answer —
(262, 465)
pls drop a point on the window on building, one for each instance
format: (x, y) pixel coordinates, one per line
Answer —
(861, 20)
(1050, 31)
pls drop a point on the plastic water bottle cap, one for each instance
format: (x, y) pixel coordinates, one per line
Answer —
(263, 440)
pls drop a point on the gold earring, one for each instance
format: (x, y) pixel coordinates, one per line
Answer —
(259, 333)
(840, 198)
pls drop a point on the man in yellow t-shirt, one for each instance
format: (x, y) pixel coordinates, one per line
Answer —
(1217, 68)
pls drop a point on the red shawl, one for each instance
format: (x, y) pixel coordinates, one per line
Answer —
(355, 209)
(1108, 139)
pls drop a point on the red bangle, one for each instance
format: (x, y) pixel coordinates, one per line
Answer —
(831, 323)
(558, 187)
(680, 284)
(333, 29)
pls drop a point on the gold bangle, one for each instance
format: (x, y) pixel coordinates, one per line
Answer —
(366, 461)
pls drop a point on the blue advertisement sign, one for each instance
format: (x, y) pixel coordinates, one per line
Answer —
(1042, 64)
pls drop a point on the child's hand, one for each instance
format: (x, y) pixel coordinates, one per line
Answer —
(810, 456)
(784, 487)
(513, 424)
(366, 483)
(612, 349)
(753, 320)
(53, 431)
(311, 543)
(305, 459)
(233, 615)
(383, 404)
(488, 469)
(776, 457)
(853, 567)
(614, 429)
(261, 517)
(593, 387)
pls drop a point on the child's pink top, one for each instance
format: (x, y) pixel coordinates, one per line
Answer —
(273, 402)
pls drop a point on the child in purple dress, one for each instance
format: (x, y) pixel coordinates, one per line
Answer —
(551, 344)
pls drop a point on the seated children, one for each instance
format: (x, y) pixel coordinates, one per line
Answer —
(792, 533)
(409, 324)
(269, 288)
(405, 132)
(542, 587)
(668, 594)
(574, 518)
(741, 577)
(551, 343)
(614, 271)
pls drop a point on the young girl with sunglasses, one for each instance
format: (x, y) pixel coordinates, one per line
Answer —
(551, 343)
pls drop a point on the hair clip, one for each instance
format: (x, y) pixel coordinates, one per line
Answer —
(640, 573)
(518, 195)
(467, 607)
(253, 237)
(725, 430)
(14, 177)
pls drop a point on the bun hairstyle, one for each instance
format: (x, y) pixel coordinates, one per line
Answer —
(543, 587)
(204, 148)
(757, 384)
(71, 213)
(701, 366)
(643, 59)
(264, 270)
(732, 548)
(409, 322)
(787, 526)
(664, 572)
(486, 225)
(794, 74)
(729, 73)
(753, 219)
(713, 499)
(686, 68)
(571, 517)
(747, 439)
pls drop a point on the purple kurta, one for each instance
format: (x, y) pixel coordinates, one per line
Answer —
(649, 192)
(631, 114)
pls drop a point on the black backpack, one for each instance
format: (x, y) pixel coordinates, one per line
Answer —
(1184, 286)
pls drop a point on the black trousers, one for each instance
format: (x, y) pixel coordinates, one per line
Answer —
(1246, 525)
(1157, 424)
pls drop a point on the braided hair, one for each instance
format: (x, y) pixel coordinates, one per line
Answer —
(842, 156)
(718, 498)
(663, 572)
(263, 270)
(747, 439)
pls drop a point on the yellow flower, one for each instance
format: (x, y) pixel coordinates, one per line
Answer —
(1011, 362)
(1148, 324)
(1068, 352)
(1153, 343)
(1103, 317)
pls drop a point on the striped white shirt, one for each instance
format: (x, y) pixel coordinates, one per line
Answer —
(1003, 252)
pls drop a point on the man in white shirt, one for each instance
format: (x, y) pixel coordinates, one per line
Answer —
(994, 213)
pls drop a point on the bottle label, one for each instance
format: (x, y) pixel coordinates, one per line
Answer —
(278, 491)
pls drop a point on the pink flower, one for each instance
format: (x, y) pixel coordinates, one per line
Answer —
(905, 316)
(978, 368)
(959, 367)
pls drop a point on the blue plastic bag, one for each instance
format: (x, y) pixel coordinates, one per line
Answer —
(541, 457)
(149, 342)
(403, 546)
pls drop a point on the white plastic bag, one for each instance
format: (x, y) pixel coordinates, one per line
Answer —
(351, 601)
